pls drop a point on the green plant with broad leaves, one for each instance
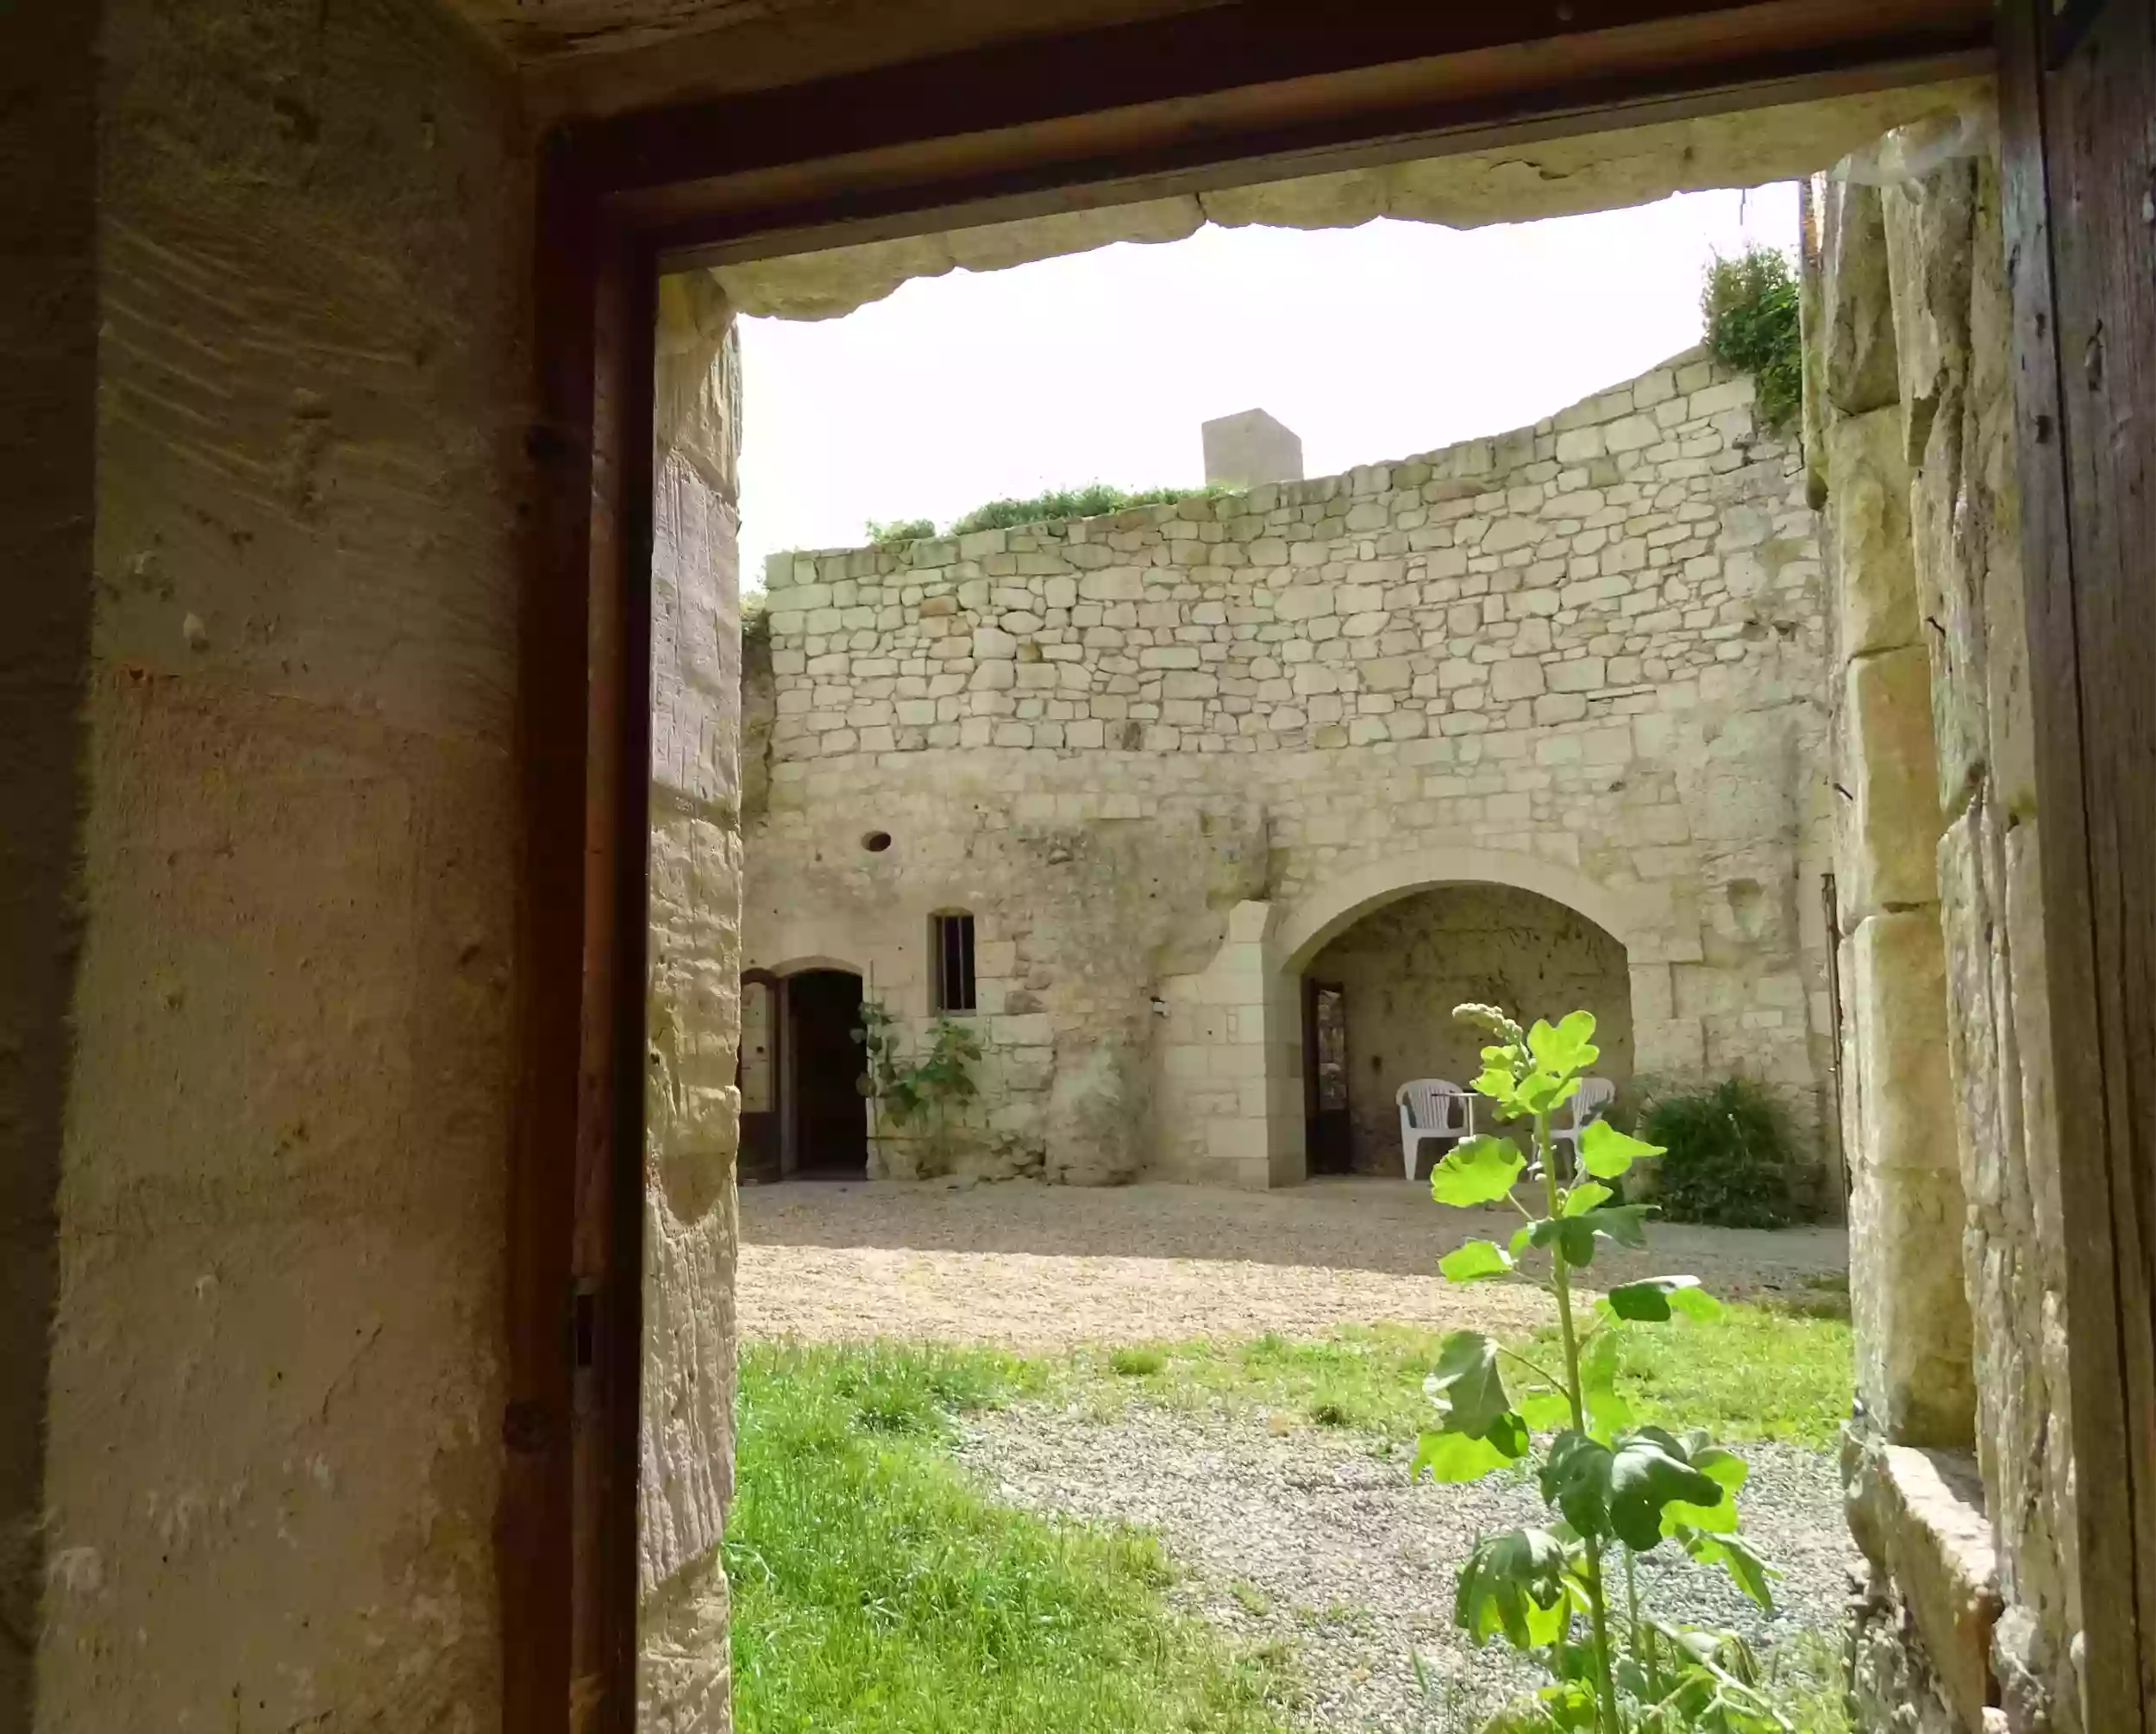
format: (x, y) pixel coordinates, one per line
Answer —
(1749, 308)
(1615, 1490)
(909, 1091)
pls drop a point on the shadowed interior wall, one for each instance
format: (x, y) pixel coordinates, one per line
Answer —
(48, 348)
(1405, 966)
(275, 1421)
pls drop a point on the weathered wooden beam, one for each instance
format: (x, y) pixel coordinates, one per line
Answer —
(2077, 159)
(1234, 94)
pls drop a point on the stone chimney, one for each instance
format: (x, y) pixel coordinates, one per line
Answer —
(1243, 450)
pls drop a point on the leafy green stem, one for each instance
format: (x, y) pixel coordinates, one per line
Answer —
(1534, 1367)
(1561, 1283)
(1642, 1635)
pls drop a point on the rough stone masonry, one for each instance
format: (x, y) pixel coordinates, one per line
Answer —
(1162, 756)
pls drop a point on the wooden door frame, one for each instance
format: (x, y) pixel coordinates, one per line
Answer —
(773, 986)
(1231, 96)
(2080, 539)
(1312, 987)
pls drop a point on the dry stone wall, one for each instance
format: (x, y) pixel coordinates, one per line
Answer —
(1553, 576)
(1593, 647)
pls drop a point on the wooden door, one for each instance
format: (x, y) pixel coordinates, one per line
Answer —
(757, 1076)
(1328, 1131)
(2078, 135)
(830, 1119)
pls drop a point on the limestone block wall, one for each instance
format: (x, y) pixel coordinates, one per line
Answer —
(693, 1018)
(1957, 1265)
(1592, 646)
(274, 1425)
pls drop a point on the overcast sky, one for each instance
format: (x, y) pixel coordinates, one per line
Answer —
(1370, 343)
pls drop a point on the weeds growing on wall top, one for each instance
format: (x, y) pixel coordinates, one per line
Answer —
(1750, 309)
(1095, 500)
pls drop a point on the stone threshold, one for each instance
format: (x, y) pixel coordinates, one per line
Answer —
(1918, 1514)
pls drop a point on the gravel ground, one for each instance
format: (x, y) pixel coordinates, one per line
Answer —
(1034, 1266)
(1304, 1539)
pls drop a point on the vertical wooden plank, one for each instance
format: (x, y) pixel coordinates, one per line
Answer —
(603, 1278)
(632, 328)
(591, 1237)
(535, 1539)
(49, 317)
(2101, 127)
(2076, 159)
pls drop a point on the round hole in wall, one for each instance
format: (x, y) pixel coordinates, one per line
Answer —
(876, 841)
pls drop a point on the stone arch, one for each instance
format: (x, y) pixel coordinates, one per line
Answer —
(1665, 1043)
(1400, 942)
(808, 960)
(1304, 930)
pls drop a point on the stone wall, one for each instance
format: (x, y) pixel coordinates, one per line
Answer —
(1956, 1248)
(1592, 647)
(693, 1018)
(274, 1425)
(1403, 968)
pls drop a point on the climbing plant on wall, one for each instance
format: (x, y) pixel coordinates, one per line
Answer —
(1614, 1490)
(917, 1091)
(1749, 306)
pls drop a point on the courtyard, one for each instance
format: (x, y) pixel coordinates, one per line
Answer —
(1186, 1416)
(1032, 1268)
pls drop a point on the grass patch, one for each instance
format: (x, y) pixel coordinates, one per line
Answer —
(875, 1587)
(1755, 1372)
(1136, 1363)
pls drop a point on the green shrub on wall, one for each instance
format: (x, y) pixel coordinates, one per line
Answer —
(1730, 1155)
(1749, 311)
(1095, 500)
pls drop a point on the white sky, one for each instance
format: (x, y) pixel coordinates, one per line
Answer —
(1371, 343)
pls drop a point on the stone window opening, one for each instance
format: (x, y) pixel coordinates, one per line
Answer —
(951, 951)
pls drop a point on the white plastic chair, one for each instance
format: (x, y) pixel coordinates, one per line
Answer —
(1589, 1102)
(1432, 1108)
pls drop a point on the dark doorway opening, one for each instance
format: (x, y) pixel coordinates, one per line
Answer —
(1328, 1133)
(830, 1123)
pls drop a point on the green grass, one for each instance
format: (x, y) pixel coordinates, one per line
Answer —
(1752, 1374)
(877, 1588)
(1755, 1372)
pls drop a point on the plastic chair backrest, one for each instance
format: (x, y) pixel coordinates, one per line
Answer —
(1433, 1103)
(1595, 1095)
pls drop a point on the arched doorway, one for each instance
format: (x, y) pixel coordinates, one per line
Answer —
(824, 1115)
(1390, 979)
